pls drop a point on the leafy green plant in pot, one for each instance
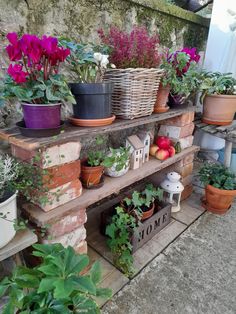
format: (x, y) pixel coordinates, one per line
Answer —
(220, 187)
(87, 64)
(117, 161)
(33, 79)
(56, 285)
(142, 204)
(181, 77)
(218, 98)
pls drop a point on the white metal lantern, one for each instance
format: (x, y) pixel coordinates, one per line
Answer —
(173, 189)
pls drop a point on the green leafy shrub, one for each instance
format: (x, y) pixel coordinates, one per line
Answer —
(217, 83)
(218, 176)
(55, 286)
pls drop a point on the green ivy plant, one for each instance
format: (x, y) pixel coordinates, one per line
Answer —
(218, 176)
(120, 231)
(217, 83)
(55, 286)
(119, 157)
(124, 224)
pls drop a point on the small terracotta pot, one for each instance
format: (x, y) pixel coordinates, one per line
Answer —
(219, 109)
(218, 201)
(147, 214)
(91, 176)
(162, 98)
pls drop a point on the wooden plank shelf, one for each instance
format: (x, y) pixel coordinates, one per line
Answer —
(72, 132)
(22, 240)
(111, 186)
(227, 132)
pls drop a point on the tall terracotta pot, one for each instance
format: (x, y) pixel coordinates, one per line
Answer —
(219, 109)
(218, 201)
(162, 98)
(91, 176)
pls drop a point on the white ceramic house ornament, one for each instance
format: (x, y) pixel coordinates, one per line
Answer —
(145, 139)
(173, 189)
(136, 151)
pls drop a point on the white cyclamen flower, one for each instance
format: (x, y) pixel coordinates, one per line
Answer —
(113, 66)
(104, 61)
(97, 56)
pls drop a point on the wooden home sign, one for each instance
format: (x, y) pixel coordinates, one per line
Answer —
(151, 226)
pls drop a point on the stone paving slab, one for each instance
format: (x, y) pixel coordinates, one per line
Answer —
(196, 274)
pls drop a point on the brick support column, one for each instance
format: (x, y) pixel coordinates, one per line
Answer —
(60, 166)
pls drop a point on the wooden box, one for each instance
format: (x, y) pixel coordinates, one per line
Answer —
(147, 228)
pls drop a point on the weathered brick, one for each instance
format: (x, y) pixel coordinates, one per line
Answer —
(187, 180)
(181, 120)
(187, 160)
(82, 248)
(58, 196)
(185, 142)
(68, 223)
(188, 190)
(50, 156)
(73, 238)
(176, 132)
(59, 175)
(184, 171)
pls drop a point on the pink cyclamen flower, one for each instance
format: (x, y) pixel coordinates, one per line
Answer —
(15, 71)
(13, 50)
(49, 44)
(31, 47)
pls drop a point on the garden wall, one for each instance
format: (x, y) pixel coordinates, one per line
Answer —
(81, 19)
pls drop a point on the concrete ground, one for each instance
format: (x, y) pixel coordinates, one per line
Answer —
(195, 274)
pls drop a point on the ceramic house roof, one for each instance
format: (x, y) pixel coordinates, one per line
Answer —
(135, 142)
(143, 135)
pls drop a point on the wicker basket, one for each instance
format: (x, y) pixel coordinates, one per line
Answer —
(135, 91)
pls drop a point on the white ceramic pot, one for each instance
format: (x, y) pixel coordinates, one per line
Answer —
(111, 172)
(8, 208)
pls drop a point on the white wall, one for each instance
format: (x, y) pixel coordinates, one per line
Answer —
(221, 44)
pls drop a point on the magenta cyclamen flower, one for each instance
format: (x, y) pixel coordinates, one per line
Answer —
(192, 52)
(39, 57)
(16, 72)
(14, 49)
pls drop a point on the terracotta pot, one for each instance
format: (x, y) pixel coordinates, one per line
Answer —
(147, 214)
(218, 201)
(91, 176)
(219, 109)
(162, 98)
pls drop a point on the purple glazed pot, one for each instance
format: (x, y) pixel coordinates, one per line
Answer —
(42, 116)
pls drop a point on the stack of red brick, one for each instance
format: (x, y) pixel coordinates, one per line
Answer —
(180, 129)
(62, 166)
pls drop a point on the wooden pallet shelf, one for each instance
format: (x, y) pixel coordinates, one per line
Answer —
(72, 132)
(111, 186)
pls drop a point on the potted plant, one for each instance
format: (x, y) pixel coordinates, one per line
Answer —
(33, 79)
(117, 161)
(218, 98)
(181, 77)
(92, 169)
(141, 204)
(57, 285)
(220, 187)
(8, 209)
(87, 64)
(136, 76)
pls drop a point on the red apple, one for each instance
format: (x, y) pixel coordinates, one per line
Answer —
(162, 154)
(171, 151)
(163, 142)
(153, 149)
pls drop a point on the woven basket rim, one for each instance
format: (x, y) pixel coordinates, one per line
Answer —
(136, 69)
